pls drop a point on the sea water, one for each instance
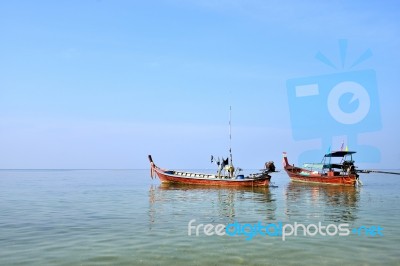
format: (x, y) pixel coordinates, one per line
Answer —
(123, 217)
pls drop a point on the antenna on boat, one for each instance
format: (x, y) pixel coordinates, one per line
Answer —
(230, 134)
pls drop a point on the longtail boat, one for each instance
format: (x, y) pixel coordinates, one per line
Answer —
(226, 176)
(342, 172)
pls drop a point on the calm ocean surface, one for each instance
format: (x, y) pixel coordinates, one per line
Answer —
(122, 217)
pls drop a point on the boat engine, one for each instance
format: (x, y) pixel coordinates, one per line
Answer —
(348, 166)
(270, 166)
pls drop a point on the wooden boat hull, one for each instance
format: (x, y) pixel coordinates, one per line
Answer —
(176, 177)
(298, 174)
(348, 180)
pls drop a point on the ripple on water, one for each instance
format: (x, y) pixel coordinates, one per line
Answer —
(118, 217)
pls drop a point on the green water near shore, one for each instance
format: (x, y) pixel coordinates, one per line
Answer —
(122, 217)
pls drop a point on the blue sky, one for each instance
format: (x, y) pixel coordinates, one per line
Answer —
(101, 84)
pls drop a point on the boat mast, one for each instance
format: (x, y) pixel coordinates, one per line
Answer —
(230, 134)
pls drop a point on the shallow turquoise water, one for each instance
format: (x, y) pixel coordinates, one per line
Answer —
(109, 217)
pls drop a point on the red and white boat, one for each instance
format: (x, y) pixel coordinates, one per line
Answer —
(342, 172)
(227, 176)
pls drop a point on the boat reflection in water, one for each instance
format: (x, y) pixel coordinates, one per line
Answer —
(321, 202)
(210, 204)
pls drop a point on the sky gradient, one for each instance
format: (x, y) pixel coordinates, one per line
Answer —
(102, 84)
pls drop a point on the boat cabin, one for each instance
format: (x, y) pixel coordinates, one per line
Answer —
(334, 164)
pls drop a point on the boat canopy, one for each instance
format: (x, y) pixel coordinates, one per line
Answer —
(339, 153)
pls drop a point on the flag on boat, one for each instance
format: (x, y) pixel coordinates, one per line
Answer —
(329, 150)
(225, 162)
